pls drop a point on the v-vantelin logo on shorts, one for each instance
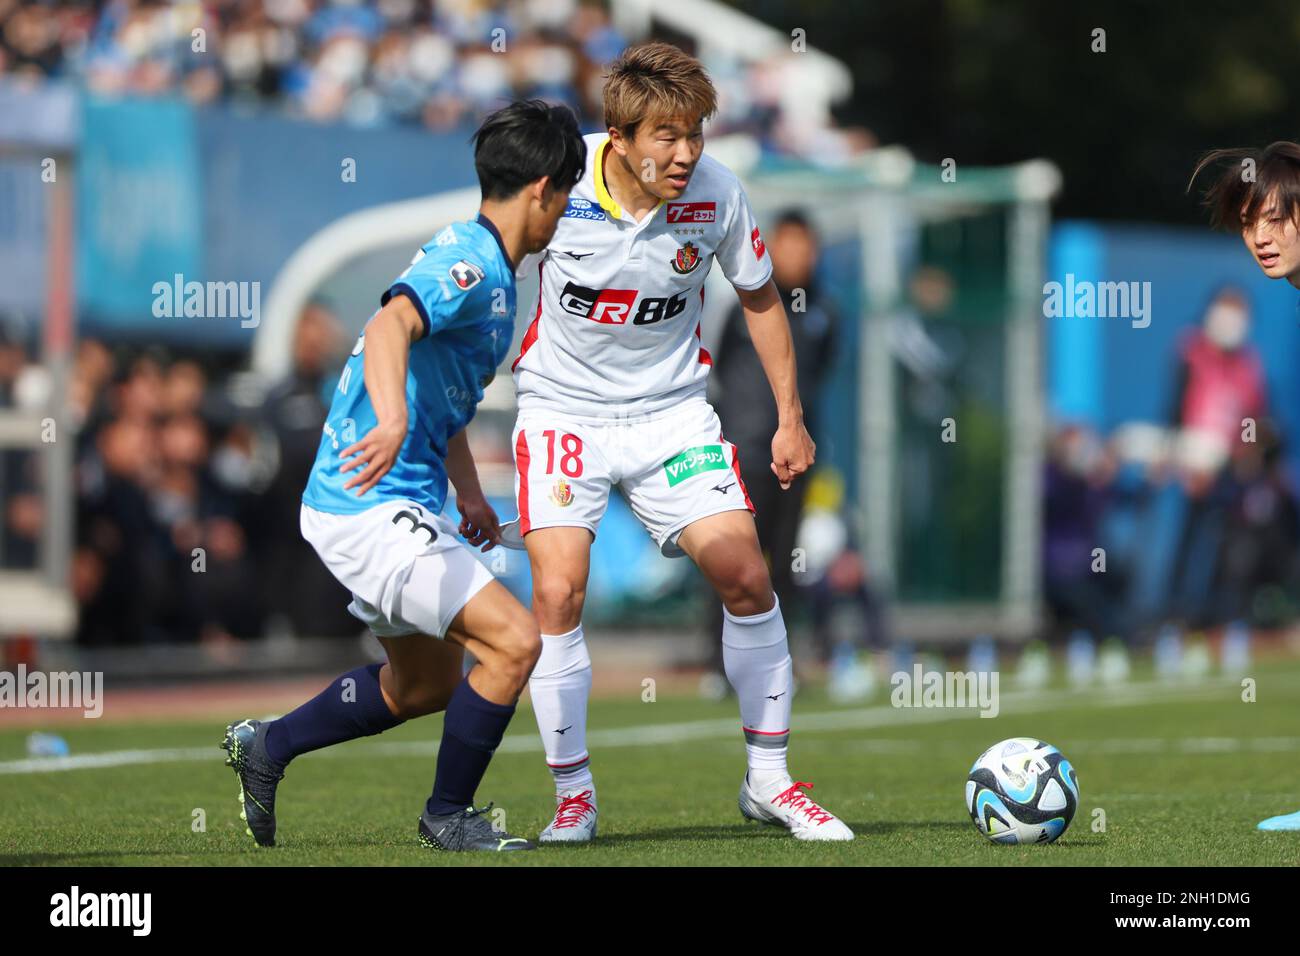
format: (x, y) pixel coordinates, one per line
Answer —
(694, 461)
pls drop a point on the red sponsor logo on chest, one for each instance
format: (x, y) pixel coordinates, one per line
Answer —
(606, 306)
(692, 212)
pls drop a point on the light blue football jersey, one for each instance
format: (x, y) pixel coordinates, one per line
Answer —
(463, 285)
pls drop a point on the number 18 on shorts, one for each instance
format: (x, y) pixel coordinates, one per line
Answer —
(673, 469)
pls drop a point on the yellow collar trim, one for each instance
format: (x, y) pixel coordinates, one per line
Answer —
(606, 201)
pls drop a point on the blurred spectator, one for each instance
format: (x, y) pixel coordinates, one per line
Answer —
(1259, 568)
(744, 401)
(24, 387)
(295, 583)
(117, 567)
(849, 614)
(380, 61)
(1076, 494)
(163, 527)
(1220, 379)
(1219, 398)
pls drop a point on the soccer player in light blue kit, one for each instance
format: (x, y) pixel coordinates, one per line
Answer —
(1264, 209)
(394, 437)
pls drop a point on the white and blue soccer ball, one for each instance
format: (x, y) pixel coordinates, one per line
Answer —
(1022, 790)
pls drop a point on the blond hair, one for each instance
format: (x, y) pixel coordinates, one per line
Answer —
(656, 81)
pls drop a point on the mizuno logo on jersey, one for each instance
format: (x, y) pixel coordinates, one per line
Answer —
(582, 209)
(692, 212)
(466, 275)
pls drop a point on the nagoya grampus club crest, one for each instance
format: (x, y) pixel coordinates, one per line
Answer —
(562, 493)
(688, 257)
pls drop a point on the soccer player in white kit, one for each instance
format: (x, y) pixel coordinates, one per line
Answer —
(611, 386)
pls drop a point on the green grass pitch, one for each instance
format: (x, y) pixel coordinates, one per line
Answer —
(1181, 773)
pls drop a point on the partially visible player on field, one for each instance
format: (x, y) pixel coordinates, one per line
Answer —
(394, 436)
(1257, 195)
(611, 381)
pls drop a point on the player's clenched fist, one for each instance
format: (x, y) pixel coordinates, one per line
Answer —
(793, 453)
(479, 524)
(374, 454)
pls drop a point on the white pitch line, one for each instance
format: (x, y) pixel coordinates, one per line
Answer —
(863, 718)
(111, 758)
(1112, 746)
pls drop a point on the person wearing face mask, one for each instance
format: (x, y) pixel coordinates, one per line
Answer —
(1264, 209)
(1219, 387)
(1220, 378)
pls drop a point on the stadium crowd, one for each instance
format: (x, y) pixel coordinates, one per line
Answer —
(371, 62)
(405, 60)
(187, 493)
(1195, 517)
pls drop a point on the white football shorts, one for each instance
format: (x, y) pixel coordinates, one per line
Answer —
(673, 468)
(407, 568)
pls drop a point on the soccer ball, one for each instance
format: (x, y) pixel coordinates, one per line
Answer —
(1022, 790)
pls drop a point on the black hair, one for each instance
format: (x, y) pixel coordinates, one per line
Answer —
(520, 143)
(1236, 200)
(797, 218)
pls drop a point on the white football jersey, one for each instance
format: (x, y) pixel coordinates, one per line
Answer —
(616, 329)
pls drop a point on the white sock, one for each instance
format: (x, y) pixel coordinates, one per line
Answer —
(559, 686)
(756, 657)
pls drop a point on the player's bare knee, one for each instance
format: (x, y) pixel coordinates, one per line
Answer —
(747, 590)
(559, 598)
(528, 645)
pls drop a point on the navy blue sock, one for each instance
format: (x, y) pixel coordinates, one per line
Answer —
(471, 732)
(334, 715)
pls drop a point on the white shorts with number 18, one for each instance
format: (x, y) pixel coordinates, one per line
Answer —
(673, 468)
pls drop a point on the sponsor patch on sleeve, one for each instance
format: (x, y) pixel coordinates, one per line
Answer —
(579, 208)
(756, 241)
(465, 274)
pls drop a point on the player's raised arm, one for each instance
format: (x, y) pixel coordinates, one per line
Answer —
(793, 450)
(388, 338)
